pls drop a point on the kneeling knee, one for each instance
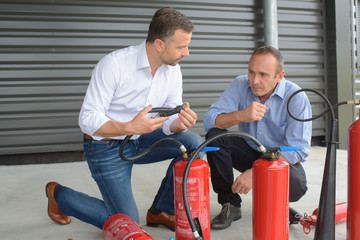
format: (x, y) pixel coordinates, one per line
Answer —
(214, 132)
(298, 192)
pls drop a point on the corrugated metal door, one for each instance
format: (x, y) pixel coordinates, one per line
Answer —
(49, 48)
(301, 40)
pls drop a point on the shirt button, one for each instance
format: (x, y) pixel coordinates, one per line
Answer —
(259, 133)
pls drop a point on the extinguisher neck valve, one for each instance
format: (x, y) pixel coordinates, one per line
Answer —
(184, 151)
(271, 154)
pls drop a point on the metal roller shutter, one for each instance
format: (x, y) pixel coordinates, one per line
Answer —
(49, 48)
(301, 35)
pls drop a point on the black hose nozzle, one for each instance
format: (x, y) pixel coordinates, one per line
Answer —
(165, 112)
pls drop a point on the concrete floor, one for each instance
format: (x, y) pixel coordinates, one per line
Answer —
(23, 202)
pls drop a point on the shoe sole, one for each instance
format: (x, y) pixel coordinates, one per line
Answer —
(47, 195)
(150, 224)
(226, 226)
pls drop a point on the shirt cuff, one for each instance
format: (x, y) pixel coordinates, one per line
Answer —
(293, 157)
(90, 124)
(167, 124)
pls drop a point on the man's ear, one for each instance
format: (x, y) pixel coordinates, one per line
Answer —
(280, 75)
(159, 45)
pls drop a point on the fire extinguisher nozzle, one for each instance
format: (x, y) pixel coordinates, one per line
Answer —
(197, 236)
(183, 148)
(262, 149)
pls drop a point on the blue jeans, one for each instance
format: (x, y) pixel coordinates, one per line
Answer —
(113, 177)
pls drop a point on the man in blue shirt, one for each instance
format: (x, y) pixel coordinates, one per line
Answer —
(256, 103)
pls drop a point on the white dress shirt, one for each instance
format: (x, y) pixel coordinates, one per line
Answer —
(122, 85)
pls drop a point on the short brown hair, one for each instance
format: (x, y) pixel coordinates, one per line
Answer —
(164, 23)
(275, 52)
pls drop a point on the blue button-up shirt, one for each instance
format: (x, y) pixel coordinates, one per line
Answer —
(277, 128)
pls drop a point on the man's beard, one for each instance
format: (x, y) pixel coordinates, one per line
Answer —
(172, 63)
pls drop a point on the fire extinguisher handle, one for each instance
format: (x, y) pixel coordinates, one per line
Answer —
(289, 148)
(209, 149)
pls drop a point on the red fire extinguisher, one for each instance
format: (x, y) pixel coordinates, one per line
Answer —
(308, 221)
(122, 227)
(198, 198)
(353, 214)
(271, 198)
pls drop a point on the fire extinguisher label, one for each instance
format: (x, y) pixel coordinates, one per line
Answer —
(198, 198)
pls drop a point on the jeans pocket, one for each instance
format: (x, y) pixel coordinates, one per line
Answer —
(100, 147)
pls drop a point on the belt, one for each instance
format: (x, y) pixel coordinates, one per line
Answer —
(90, 137)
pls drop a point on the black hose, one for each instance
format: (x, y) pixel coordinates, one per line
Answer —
(188, 165)
(330, 107)
(155, 145)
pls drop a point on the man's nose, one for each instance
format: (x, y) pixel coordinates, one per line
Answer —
(256, 79)
(186, 52)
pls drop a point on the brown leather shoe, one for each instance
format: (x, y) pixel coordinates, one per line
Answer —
(53, 209)
(163, 218)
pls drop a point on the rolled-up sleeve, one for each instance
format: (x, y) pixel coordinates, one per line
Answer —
(228, 102)
(93, 111)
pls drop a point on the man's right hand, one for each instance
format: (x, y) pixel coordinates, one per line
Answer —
(254, 112)
(142, 125)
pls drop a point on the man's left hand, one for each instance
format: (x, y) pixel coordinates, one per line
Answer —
(243, 183)
(186, 119)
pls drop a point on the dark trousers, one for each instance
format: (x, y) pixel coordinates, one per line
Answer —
(235, 153)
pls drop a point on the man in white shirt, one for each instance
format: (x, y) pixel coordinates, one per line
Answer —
(125, 85)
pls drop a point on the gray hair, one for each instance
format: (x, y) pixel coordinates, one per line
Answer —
(275, 52)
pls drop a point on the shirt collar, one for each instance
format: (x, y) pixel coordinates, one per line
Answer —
(280, 89)
(142, 59)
